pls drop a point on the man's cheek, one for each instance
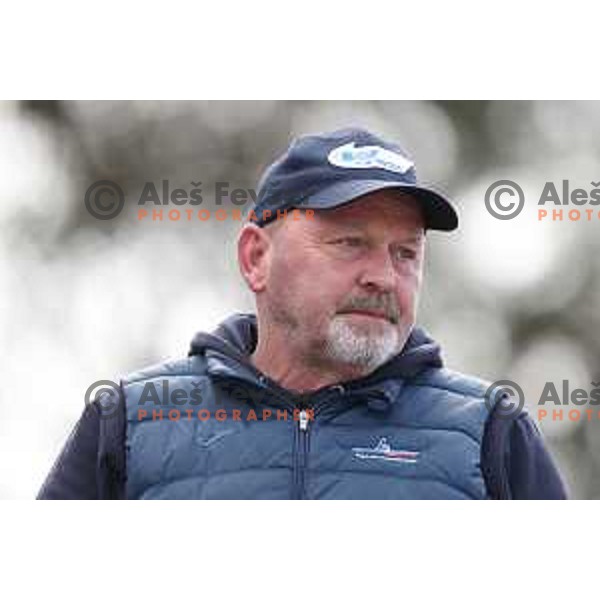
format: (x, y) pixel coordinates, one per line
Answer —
(408, 305)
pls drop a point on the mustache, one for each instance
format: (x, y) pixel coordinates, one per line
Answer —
(384, 304)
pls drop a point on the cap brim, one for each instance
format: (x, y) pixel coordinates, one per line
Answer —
(438, 211)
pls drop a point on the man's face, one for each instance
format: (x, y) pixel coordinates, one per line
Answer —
(344, 285)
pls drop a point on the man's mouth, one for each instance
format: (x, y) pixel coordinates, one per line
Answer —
(368, 313)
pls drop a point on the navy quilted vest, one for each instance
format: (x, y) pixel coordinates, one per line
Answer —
(209, 426)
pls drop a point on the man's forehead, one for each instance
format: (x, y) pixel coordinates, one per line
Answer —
(383, 207)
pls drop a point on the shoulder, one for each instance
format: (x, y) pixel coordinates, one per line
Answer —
(453, 381)
(189, 365)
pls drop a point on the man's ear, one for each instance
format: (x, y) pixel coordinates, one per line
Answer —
(253, 256)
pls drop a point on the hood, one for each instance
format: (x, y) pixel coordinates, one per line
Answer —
(236, 337)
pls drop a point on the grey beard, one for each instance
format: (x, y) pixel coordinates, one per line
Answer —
(368, 352)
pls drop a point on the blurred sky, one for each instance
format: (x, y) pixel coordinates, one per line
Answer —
(83, 299)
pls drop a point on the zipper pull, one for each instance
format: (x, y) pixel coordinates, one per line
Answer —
(303, 420)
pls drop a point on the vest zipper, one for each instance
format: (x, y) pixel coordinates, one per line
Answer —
(301, 455)
(303, 420)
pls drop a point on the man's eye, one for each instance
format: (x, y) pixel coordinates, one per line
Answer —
(406, 254)
(353, 242)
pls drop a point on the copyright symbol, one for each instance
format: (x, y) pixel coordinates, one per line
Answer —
(104, 199)
(107, 395)
(506, 398)
(501, 207)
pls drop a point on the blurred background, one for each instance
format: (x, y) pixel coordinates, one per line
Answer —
(83, 299)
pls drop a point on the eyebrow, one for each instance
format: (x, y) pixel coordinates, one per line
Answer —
(414, 237)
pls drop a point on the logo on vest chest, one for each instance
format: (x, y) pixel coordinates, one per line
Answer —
(383, 451)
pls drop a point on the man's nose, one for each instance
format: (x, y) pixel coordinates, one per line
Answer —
(378, 271)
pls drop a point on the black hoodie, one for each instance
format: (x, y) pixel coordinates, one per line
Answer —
(515, 462)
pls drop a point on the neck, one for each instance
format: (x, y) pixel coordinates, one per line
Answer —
(275, 357)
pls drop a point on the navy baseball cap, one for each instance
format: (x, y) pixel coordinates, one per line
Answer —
(330, 169)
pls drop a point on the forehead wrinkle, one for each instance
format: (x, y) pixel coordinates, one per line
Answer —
(407, 230)
(387, 206)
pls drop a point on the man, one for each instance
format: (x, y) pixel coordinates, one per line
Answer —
(330, 391)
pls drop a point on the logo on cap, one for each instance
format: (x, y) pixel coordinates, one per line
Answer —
(349, 156)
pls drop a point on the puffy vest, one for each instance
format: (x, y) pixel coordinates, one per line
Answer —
(199, 429)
